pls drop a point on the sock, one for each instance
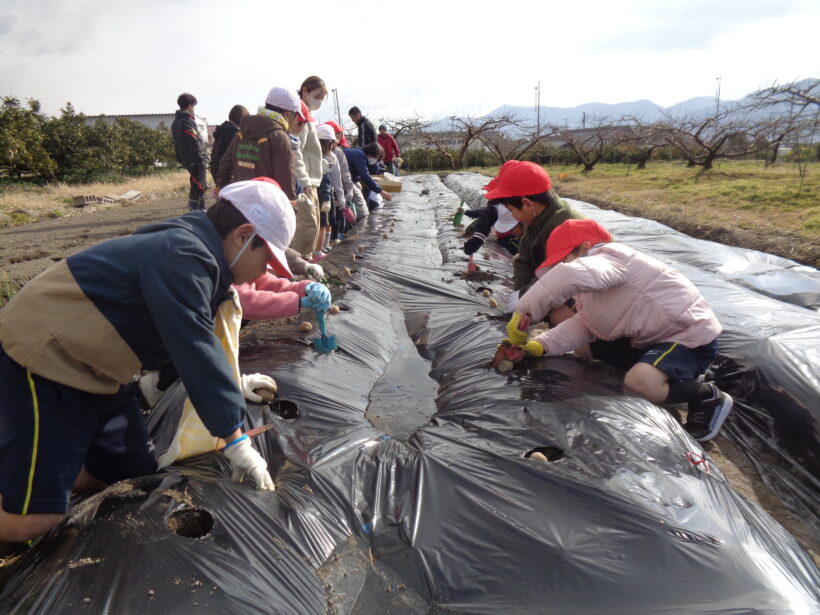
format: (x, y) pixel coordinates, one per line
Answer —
(326, 243)
(688, 391)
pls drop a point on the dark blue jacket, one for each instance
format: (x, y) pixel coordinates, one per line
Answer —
(325, 189)
(131, 303)
(357, 161)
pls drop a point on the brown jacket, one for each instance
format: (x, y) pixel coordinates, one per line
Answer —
(261, 148)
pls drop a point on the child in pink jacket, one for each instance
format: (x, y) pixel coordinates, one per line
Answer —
(633, 312)
(270, 297)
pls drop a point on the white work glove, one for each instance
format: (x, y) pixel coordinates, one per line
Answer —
(326, 206)
(246, 460)
(249, 382)
(315, 271)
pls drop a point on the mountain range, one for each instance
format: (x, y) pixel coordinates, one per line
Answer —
(645, 110)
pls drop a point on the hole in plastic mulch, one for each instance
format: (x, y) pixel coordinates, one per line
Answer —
(284, 409)
(191, 522)
(545, 453)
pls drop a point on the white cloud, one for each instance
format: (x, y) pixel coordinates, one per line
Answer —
(425, 57)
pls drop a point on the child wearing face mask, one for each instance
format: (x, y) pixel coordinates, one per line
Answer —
(72, 339)
(312, 93)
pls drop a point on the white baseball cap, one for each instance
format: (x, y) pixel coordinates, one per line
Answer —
(284, 99)
(323, 131)
(505, 222)
(266, 207)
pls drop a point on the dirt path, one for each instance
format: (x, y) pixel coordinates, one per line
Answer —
(27, 250)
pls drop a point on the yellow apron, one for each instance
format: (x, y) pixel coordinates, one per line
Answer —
(192, 437)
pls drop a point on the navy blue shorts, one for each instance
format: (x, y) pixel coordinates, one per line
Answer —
(672, 358)
(49, 431)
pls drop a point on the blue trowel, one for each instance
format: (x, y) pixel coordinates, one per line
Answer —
(326, 343)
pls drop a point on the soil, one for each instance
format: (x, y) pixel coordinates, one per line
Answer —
(27, 250)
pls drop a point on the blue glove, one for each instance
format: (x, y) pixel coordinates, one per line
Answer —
(317, 297)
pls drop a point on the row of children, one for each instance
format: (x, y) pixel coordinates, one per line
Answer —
(312, 162)
(602, 299)
(166, 302)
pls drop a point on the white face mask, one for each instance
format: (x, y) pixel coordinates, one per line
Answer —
(314, 103)
(371, 160)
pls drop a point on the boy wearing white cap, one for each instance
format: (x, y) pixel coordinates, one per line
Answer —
(73, 338)
(262, 148)
(493, 217)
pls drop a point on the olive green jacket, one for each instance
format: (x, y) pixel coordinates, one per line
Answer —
(533, 247)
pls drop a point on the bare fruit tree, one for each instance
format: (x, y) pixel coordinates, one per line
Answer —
(592, 145)
(800, 94)
(702, 140)
(512, 143)
(795, 106)
(455, 142)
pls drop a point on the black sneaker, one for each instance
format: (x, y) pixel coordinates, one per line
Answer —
(706, 417)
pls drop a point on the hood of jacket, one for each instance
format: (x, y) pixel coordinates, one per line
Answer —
(225, 127)
(258, 126)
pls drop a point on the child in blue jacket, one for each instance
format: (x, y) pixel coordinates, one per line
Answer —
(72, 340)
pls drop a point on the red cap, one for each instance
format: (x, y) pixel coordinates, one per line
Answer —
(571, 234)
(518, 178)
(494, 181)
(269, 180)
(304, 114)
(338, 129)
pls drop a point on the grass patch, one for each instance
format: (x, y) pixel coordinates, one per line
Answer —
(767, 206)
(8, 288)
(38, 202)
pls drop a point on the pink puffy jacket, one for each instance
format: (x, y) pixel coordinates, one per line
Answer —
(620, 292)
(270, 297)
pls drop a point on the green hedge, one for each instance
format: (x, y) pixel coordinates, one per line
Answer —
(34, 146)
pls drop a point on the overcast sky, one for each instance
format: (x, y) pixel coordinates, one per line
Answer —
(397, 59)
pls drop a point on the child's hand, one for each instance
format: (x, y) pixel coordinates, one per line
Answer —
(317, 297)
(472, 245)
(533, 348)
(251, 383)
(517, 328)
(316, 272)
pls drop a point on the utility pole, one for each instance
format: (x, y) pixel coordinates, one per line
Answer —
(336, 105)
(717, 103)
(538, 110)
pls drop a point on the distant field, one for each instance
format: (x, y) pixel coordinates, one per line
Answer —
(738, 202)
(28, 203)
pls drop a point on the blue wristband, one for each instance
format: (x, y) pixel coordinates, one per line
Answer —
(244, 436)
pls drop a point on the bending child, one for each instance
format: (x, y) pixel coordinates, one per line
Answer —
(634, 313)
(525, 189)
